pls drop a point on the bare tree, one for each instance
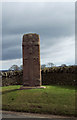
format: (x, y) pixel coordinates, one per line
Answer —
(63, 65)
(50, 64)
(43, 66)
(21, 67)
(14, 67)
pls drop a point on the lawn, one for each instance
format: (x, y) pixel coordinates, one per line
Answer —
(58, 100)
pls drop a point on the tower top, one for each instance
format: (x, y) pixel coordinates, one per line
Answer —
(30, 37)
(29, 34)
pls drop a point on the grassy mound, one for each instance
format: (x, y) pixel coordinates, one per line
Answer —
(51, 100)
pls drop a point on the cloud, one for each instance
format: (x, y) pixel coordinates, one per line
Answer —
(11, 47)
(54, 18)
(54, 22)
(61, 52)
(8, 63)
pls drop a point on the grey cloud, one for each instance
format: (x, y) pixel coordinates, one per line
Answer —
(11, 53)
(49, 20)
(57, 20)
(11, 47)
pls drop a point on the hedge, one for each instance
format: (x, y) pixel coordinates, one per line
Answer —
(50, 76)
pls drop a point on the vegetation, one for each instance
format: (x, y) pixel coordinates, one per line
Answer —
(60, 69)
(58, 100)
(15, 68)
(61, 75)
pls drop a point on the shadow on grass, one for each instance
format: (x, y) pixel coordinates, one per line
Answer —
(8, 91)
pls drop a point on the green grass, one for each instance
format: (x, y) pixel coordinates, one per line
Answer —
(51, 100)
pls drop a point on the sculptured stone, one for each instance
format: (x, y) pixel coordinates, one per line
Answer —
(31, 60)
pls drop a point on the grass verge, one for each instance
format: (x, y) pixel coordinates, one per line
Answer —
(59, 100)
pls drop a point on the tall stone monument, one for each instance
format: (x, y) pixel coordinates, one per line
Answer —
(31, 60)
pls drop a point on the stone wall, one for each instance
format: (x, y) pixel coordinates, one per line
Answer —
(11, 78)
(58, 79)
(50, 76)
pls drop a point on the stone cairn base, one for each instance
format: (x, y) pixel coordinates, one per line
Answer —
(29, 87)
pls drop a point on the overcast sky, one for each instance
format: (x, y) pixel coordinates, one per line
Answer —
(54, 22)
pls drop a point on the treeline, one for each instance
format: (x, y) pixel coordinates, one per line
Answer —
(60, 69)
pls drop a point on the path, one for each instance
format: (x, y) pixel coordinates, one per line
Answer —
(10, 114)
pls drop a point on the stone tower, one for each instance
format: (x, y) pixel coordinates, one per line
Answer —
(31, 60)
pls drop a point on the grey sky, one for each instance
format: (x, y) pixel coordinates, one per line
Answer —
(54, 22)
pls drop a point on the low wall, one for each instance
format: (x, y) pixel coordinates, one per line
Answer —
(55, 76)
(11, 78)
(58, 79)
(59, 75)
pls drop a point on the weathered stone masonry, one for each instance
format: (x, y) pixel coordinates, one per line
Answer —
(31, 60)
